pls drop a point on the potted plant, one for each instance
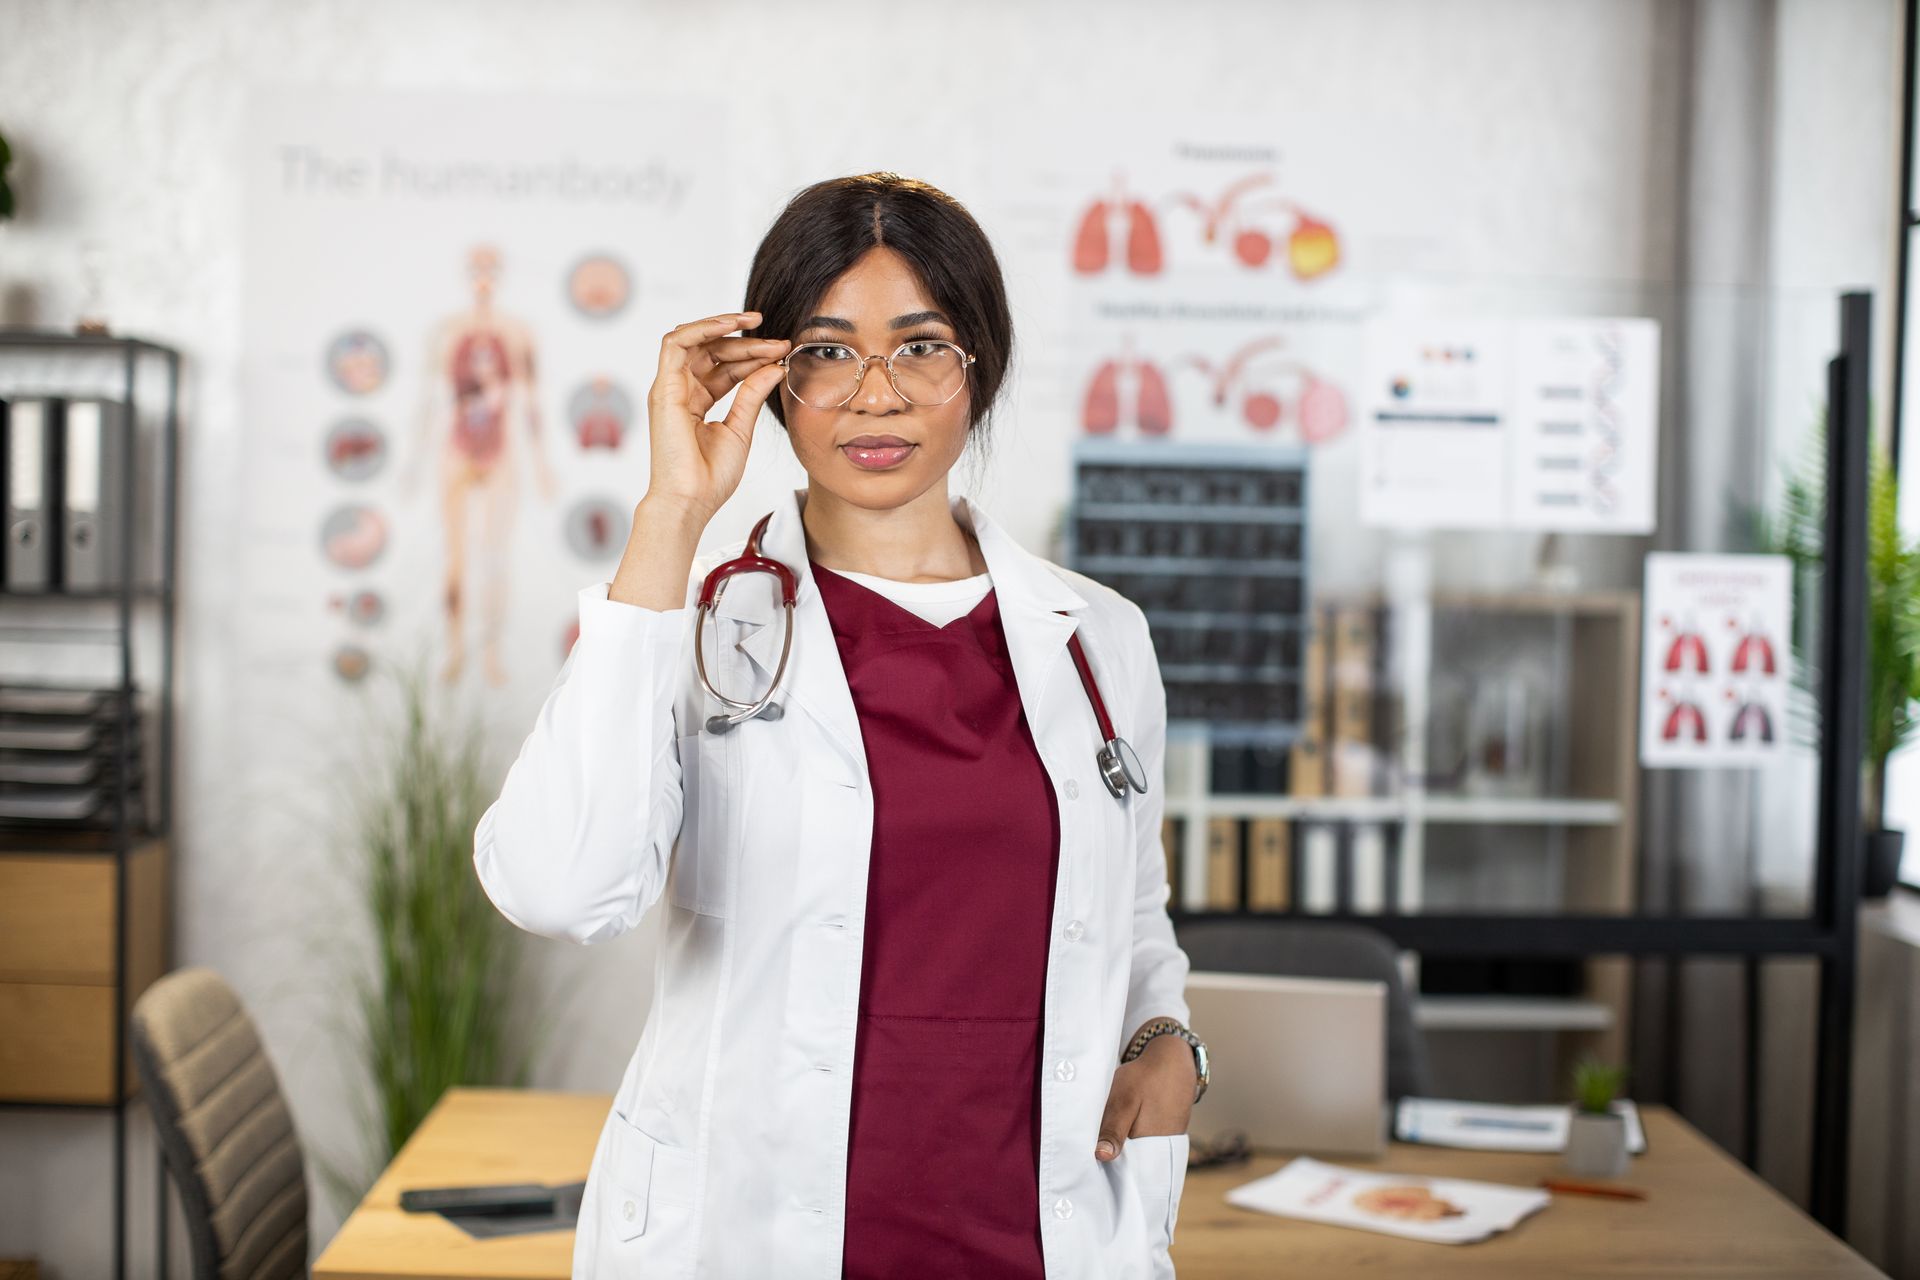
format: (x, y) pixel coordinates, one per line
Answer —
(1596, 1133)
(435, 970)
(1892, 710)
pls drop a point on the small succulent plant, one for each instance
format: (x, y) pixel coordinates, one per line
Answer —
(1596, 1084)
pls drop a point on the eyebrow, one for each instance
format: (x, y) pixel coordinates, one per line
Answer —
(898, 322)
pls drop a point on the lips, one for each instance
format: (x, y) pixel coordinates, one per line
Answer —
(876, 453)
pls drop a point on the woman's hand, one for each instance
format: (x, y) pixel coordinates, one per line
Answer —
(696, 463)
(1151, 1095)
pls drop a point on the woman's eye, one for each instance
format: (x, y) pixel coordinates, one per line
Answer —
(832, 353)
(918, 349)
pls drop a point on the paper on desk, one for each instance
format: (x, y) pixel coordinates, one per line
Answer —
(1438, 1210)
(1486, 1126)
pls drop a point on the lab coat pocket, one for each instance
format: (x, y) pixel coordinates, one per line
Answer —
(651, 1187)
(1159, 1164)
(630, 1175)
(701, 876)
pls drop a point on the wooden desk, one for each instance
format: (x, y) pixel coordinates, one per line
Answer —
(1707, 1215)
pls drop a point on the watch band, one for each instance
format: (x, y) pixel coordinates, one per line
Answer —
(1172, 1027)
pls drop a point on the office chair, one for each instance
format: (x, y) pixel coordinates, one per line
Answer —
(1314, 949)
(224, 1128)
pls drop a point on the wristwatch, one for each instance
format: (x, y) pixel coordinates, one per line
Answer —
(1172, 1027)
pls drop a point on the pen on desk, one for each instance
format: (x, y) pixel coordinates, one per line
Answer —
(1593, 1189)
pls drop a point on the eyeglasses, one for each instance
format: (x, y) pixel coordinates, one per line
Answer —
(825, 375)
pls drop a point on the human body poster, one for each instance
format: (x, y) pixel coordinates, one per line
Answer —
(448, 301)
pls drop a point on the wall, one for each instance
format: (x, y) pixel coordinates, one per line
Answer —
(1546, 129)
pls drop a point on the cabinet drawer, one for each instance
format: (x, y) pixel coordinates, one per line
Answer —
(56, 918)
(59, 1044)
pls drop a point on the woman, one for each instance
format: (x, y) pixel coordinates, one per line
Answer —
(909, 934)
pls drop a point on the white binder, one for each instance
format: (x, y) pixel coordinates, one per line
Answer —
(93, 462)
(31, 455)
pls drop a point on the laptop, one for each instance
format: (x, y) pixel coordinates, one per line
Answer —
(1298, 1064)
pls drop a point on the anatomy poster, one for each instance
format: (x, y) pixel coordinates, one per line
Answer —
(1520, 423)
(1213, 273)
(451, 304)
(1714, 659)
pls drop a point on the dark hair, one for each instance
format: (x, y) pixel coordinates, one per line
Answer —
(827, 227)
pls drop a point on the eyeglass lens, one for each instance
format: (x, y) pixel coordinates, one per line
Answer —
(826, 375)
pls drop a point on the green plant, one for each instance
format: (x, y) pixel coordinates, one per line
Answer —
(1892, 710)
(6, 192)
(1596, 1084)
(433, 1005)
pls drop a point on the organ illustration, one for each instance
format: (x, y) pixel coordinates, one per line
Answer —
(601, 412)
(483, 384)
(1093, 240)
(1130, 389)
(1121, 227)
(1754, 652)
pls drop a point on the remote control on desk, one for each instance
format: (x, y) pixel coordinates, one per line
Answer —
(518, 1197)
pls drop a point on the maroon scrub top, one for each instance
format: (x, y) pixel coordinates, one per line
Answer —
(944, 1141)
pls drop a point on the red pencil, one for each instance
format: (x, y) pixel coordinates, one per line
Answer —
(1593, 1189)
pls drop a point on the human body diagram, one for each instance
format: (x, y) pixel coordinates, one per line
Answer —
(481, 383)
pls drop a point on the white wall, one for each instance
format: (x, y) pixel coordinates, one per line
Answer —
(1535, 127)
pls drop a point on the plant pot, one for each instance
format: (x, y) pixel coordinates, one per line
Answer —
(1597, 1144)
(1880, 869)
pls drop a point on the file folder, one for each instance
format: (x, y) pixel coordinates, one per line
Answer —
(94, 457)
(31, 482)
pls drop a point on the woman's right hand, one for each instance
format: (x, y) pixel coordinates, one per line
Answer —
(695, 462)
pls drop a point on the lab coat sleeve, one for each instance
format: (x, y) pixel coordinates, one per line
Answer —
(576, 845)
(1157, 982)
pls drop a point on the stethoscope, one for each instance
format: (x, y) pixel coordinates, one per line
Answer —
(1119, 766)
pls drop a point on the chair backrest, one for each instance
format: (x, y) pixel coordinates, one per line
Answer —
(1292, 948)
(224, 1128)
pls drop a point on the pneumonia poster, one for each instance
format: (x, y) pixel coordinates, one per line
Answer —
(1714, 660)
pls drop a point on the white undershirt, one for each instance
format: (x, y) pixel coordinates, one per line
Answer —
(937, 602)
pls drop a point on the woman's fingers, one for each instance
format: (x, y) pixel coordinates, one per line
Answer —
(678, 346)
(754, 390)
(728, 364)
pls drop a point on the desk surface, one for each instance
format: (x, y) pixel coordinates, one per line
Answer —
(1706, 1215)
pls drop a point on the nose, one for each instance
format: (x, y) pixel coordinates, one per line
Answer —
(884, 396)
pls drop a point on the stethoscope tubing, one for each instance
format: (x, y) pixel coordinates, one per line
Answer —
(1119, 768)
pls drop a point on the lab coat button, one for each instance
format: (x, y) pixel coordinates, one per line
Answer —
(1063, 1208)
(1064, 1071)
(627, 1211)
(1074, 930)
(1073, 789)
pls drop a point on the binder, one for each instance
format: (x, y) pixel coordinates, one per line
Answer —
(94, 459)
(32, 481)
(1223, 864)
(1269, 865)
(1319, 870)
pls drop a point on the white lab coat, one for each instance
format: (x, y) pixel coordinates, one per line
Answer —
(725, 1151)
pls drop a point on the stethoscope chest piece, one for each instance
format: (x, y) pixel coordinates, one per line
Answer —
(1120, 768)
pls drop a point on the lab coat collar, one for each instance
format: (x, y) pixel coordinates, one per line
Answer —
(1028, 589)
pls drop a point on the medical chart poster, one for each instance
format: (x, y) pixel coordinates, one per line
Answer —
(1714, 660)
(1510, 422)
(453, 304)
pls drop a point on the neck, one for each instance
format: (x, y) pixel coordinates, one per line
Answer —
(917, 541)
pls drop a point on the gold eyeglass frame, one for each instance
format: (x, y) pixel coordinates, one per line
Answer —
(887, 361)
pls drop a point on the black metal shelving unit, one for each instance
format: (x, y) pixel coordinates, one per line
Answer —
(126, 359)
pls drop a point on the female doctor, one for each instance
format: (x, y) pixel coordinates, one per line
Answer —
(918, 1009)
